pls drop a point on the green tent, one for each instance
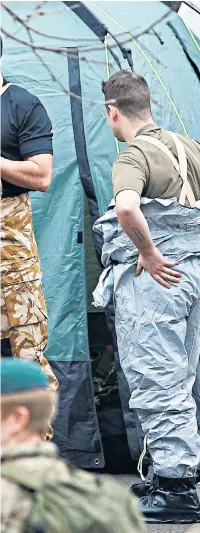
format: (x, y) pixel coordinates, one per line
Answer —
(97, 39)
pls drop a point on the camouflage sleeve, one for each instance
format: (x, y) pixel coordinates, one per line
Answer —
(15, 506)
(133, 514)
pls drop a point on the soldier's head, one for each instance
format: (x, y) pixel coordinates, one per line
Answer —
(131, 102)
(27, 403)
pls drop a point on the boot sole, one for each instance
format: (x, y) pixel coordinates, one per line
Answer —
(189, 518)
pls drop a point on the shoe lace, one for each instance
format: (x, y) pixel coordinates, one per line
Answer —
(140, 462)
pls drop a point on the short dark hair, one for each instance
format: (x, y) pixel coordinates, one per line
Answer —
(1, 46)
(130, 92)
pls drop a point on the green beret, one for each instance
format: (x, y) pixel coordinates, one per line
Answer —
(18, 375)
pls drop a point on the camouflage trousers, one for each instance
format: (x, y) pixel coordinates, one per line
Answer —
(23, 309)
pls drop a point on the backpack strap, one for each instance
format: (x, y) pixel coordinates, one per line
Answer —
(180, 165)
(4, 88)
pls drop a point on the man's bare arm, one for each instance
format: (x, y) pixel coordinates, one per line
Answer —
(133, 221)
(35, 173)
(135, 225)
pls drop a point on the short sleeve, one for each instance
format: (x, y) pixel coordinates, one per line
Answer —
(35, 132)
(130, 172)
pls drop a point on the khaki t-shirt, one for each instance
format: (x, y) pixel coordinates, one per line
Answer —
(145, 169)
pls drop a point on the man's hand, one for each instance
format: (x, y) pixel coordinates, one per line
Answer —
(135, 225)
(159, 268)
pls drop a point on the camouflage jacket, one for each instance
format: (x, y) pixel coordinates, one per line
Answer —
(40, 493)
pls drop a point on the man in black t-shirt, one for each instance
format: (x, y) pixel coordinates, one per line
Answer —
(26, 165)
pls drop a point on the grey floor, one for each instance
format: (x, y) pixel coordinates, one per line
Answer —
(161, 528)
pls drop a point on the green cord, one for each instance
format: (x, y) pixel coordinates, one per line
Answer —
(148, 61)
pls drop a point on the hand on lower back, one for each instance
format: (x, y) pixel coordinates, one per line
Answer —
(159, 268)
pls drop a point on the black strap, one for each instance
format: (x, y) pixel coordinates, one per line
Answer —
(100, 30)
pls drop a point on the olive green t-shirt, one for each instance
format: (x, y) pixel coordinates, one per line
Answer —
(145, 169)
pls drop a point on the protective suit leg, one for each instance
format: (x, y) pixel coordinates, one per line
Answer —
(161, 368)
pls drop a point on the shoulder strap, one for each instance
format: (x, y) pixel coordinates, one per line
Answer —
(186, 191)
(180, 165)
(161, 146)
(4, 88)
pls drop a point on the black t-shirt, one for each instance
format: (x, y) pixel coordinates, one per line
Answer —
(26, 130)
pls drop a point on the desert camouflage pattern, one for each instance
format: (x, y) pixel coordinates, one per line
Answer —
(72, 501)
(23, 309)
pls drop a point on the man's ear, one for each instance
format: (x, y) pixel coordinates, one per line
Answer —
(20, 418)
(113, 112)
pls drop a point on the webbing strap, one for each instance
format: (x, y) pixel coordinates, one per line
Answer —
(186, 191)
(180, 165)
(4, 88)
(161, 147)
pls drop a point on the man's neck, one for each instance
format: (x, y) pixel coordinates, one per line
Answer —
(23, 438)
(132, 128)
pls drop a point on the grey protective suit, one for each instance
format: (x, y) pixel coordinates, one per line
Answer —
(158, 329)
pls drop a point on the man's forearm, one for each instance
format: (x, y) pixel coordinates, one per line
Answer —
(136, 227)
(21, 173)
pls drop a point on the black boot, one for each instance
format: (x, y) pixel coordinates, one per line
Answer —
(143, 488)
(140, 489)
(171, 500)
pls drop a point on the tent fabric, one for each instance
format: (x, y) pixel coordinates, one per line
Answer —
(76, 428)
(84, 150)
(192, 52)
